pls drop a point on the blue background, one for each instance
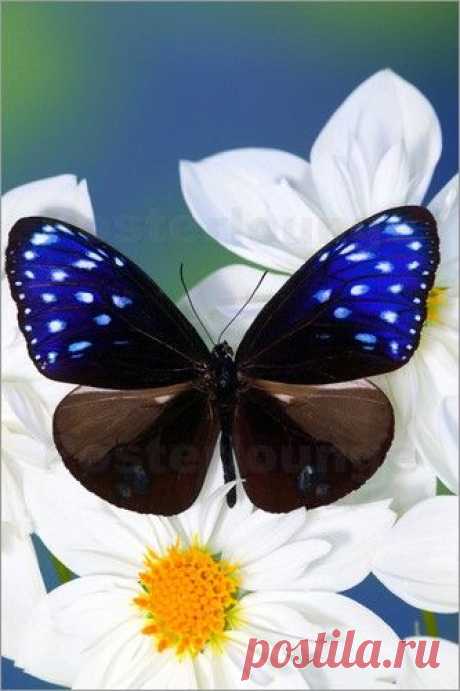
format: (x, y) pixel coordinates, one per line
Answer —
(117, 93)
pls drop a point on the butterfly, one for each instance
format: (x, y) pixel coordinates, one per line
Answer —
(293, 405)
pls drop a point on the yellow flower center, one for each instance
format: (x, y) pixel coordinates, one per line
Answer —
(436, 300)
(189, 598)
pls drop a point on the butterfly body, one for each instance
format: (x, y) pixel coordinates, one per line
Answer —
(292, 406)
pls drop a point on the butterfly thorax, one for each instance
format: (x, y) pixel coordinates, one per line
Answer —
(224, 380)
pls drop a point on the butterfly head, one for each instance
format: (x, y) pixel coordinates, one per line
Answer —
(222, 351)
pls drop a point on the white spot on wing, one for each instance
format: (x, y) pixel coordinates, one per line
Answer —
(395, 288)
(341, 312)
(404, 229)
(84, 296)
(43, 239)
(384, 267)
(64, 229)
(94, 255)
(78, 345)
(348, 248)
(102, 319)
(323, 295)
(56, 325)
(121, 301)
(48, 297)
(58, 275)
(378, 220)
(359, 289)
(85, 264)
(389, 316)
(366, 338)
(359, 256)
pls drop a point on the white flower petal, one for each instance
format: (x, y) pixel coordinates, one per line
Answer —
(418, 561)
(15, 518)
(448, 431)
(354, 532)
(259, 537)
(329, 611)
(124, 659)
(378, 149)
(22, 589)
(444, 208)
(273, 615)
(201, 518)
(259, 203)
(403, 477)
(61, 197)
(90, 535)
(68, 621)
(445, 676)
(218, 298)
(284, 567)
(29, 410)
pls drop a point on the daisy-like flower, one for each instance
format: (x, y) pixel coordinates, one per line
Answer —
(172, 603)
(28, 400)
(378, 150)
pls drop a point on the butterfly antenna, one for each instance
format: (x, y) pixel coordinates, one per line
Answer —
(243, 306)
(191, 304)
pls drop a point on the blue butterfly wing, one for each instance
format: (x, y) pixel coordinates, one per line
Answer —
(355, 309)
(90, 316)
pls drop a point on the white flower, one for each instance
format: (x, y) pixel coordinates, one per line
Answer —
(135, 619)
(418, 558)
(378, 150)
(28, 400)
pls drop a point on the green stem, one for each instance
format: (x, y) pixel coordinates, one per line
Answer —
(430, 624)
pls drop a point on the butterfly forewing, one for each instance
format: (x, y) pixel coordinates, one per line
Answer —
(147, 451)
(90, 316)
(355, 309)
(309, 445)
